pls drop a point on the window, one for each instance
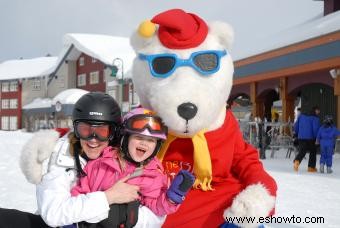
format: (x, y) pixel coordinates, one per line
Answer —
(94, 77)
(81, 61)
(5, 123)
(5, 104)
(13, 103)
(81, 79)
(36, 84)
(13, 123)
(13, 86)
(5, 87)
(94, 60)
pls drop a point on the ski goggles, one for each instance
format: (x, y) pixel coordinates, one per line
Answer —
(204, 62)
(88, 131)
(139, 123)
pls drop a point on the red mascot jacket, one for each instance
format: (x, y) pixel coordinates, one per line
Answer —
(235, 165)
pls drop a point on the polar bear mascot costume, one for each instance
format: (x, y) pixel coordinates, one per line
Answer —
(184, 72)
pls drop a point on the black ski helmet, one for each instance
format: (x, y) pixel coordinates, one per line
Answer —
(328, 120)
(97, 107)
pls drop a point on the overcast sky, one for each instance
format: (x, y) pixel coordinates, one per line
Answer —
(33, 28)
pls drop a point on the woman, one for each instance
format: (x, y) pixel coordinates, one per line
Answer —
(101, 114)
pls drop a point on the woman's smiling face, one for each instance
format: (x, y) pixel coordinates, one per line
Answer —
(141, 147)
(93, 147)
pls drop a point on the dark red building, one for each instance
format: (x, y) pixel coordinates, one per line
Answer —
(90, 74)
(10, 111)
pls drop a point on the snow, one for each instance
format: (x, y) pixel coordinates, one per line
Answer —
(39, 103)
(70, 96)
(102, 47)
(27, 68)
(110, 50)
(105, 48)
(300, 194)
(306, 194)
(311, 29)
(15, 191)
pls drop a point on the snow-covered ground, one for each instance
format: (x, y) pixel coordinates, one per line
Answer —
(15, 191)
(302, 195)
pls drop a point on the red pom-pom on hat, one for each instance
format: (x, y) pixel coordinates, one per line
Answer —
(180, 30)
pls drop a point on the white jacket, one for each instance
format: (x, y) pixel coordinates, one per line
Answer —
(56, 205)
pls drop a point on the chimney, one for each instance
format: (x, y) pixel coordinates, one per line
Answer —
(330, 6)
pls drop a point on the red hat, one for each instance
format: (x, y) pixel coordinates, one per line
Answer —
(180, 30)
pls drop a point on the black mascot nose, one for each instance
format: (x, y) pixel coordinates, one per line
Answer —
(187, 110)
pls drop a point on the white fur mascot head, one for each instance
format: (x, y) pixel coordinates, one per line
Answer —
(188, 93)
(183, 71)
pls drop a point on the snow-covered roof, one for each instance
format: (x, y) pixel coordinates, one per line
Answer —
(70, 96)
(105, 48)
(27, 68)
(313, 28)
(39, 103)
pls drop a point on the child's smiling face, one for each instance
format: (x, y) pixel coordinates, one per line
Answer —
(141, 147)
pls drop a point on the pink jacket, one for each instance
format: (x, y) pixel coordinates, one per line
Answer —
(104, 171)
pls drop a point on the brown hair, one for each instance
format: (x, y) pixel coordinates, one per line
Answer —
(121, 160)
(76, 150)
(74, 144)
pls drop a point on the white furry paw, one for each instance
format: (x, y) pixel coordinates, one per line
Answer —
(35, 151)
(253, 202)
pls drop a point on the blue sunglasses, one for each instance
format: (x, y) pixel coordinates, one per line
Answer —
(204, 62)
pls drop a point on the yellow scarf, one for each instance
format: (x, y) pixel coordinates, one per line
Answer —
(202, 161)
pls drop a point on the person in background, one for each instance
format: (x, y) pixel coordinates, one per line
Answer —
(276, 117)
(306, 128)
(142, 136)
(326, 138)
(297, 113)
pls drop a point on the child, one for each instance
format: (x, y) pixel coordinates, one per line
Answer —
(326, 137)
(142, 136)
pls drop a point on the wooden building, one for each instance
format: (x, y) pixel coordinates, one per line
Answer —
(305, 67)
